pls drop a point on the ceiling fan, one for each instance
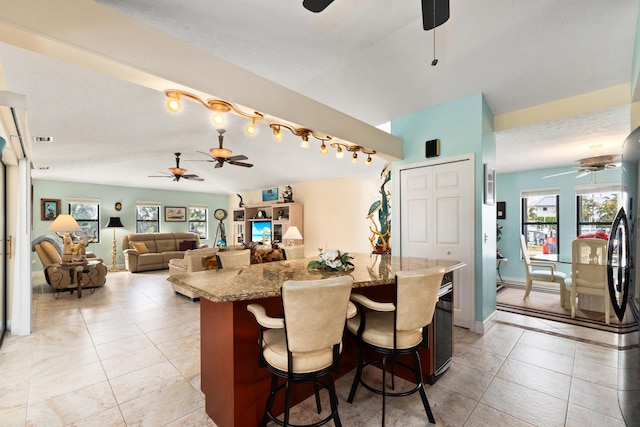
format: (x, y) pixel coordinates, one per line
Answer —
(177, 173)
(591, 164)
(434, 12)
(221, 155)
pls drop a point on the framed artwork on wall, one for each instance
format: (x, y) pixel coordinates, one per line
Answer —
(49, 209)
(489, 185)
(270, 195)
(175, 214)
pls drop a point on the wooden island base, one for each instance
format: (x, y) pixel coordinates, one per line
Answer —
(235, 388)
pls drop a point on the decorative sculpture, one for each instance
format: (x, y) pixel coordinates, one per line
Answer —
(287, 194)
(241, 203)
(381, 230)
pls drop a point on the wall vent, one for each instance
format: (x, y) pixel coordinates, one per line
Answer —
(43, 138)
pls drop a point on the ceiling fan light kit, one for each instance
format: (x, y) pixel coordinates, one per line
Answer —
(177, 173)
(219, 106)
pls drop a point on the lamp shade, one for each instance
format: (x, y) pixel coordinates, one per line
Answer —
(64, 223)
(292, 233)
(114, 222)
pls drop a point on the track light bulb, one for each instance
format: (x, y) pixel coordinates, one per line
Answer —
(368, 163)
(323, 149)
(354, 158)
(279, 136)
(251, 127)
(174, 104)
(339, 153)
(218, 119)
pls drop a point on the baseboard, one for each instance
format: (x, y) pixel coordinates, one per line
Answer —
(483, 326)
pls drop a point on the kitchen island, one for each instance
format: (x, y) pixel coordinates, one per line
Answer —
(235, 388)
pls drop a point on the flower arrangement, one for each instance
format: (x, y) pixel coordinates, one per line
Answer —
(332, 260)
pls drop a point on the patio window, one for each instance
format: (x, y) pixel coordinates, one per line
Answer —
(540, 221)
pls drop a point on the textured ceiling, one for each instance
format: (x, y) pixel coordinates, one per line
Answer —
(367, 58)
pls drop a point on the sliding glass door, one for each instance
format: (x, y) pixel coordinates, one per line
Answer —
(4, 248)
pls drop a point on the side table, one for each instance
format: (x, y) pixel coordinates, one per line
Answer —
(499, 262)
(76, 270)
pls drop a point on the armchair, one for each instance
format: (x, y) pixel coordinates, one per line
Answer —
(60, 279)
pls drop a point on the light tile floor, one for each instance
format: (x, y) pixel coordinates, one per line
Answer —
(129, 354)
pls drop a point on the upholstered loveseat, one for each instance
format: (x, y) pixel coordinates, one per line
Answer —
(153, 251)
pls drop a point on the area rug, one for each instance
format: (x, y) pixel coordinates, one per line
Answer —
(545, 304)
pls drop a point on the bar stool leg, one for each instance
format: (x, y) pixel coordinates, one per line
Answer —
(423, 394)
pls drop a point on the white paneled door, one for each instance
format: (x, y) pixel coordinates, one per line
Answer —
(437, 221)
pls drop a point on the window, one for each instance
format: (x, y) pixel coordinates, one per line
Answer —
(198, 220)
(540, 222)
(87, 213)
(147, 217)
(596, 208)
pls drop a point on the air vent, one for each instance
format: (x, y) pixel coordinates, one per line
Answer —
(43, 138)
(43, 168)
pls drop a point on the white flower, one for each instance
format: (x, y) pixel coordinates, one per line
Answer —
(332, 258)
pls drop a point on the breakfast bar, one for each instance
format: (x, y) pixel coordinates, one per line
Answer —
(235, 387)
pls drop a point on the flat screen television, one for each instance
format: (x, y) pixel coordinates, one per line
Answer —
(261, 231)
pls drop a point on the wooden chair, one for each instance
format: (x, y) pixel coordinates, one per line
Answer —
(589, 272)
(541, 271)
(397, 328)
(305, 345)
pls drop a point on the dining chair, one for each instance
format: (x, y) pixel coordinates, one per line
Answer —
(589, 272)
(293, 252)
(231, 259)
(396, 328)
(541, 271)
(304, 346)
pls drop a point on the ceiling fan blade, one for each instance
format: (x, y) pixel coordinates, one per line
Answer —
(316, 5)
(246, 165)
(585, 173)
(206, 154)
(193, 177)
(219, 164)
(160, 176)
(236, 158)
(558, 174)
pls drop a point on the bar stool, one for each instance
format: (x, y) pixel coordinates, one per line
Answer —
(394, 329)
(305, 345)
(231, 259)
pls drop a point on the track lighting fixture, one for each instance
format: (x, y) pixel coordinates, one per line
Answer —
(218, 106)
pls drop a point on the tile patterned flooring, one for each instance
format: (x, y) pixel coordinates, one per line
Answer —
(129, 354)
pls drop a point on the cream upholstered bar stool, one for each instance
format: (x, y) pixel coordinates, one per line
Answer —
(231, 259)
(305, 345)
(397, 328)
(293, 252)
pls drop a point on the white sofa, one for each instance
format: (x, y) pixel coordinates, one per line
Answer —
(190, 263)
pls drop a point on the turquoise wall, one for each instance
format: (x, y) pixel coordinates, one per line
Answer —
(128, 196)
(463, 126)
(509, 187)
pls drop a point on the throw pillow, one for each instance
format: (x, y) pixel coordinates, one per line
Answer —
(210, 262)
(185, 245)
(140, 247)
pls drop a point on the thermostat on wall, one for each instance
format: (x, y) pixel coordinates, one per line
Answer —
(432, 148)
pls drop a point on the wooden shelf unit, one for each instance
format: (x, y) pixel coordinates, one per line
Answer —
(281, 215)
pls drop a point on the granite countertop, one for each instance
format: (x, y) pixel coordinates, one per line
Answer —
(265, 280)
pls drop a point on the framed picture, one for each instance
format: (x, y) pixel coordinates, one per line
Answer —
(489, 185)
(501, 210)
(49, 209)
(175, 214)
(270, 195)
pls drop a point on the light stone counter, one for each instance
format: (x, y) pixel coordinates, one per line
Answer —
(265, 280)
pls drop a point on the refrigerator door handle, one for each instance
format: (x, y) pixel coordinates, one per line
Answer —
(618, 271)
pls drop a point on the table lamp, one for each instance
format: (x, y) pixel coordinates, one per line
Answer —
(291, 234)
(114, 222)
(66, 224)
